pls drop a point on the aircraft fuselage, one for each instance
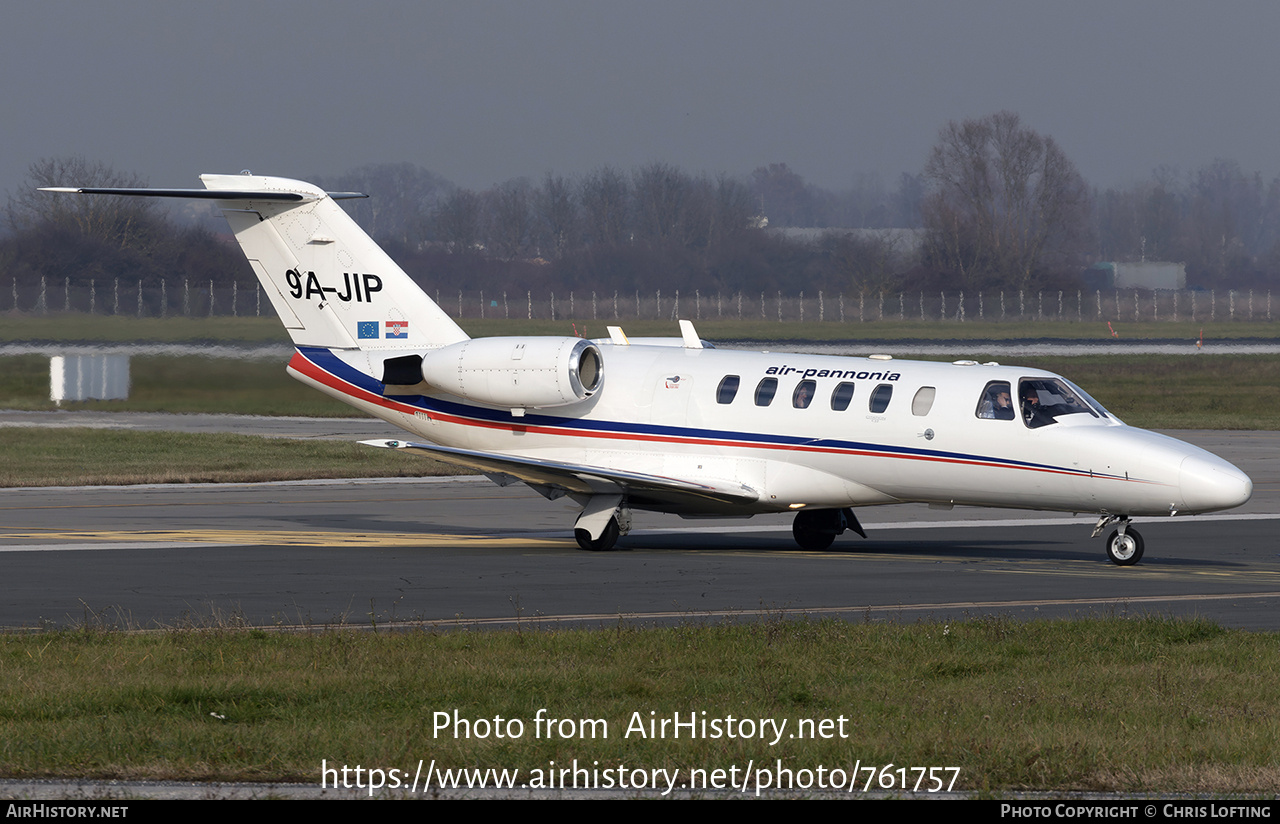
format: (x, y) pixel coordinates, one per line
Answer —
(909, 431)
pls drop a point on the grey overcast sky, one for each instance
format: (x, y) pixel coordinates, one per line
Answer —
(481, 92)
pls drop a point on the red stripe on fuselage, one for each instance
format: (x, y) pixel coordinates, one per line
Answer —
(300, 363)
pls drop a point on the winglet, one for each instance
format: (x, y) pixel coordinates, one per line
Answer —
(618, 336)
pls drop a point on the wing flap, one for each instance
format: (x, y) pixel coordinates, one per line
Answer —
(641, 489)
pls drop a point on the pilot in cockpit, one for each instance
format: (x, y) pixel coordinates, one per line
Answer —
(1032, 412)
(997, 404)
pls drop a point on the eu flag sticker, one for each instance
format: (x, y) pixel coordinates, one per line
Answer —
(398, 329)
(366, 329)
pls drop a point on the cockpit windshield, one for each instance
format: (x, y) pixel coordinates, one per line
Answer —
(1089, 399)
(1044, 401)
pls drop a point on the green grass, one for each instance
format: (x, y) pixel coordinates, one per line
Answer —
(74, 456)
(1149, 705)
(164, 383)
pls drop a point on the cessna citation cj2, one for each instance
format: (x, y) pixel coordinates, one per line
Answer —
(675, 425)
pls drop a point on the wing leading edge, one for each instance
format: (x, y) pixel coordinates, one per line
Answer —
(641, 490)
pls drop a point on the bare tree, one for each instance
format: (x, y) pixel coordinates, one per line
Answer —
(557, 216)
(871, 261)
(401, 197)
(661, 196)
(511, 217)
(1142, 221)
(782, 196)
(457, 221)
(1006, 204)
(732, 214)
(122, 221)
(605, 199)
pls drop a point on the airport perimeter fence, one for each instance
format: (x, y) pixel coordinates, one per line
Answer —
(185, 298)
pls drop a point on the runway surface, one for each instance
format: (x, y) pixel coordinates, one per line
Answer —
(462, 552)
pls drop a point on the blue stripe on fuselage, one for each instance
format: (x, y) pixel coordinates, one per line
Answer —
(326, 360)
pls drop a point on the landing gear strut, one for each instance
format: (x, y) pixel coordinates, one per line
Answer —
(816, 529)
(1125, 544)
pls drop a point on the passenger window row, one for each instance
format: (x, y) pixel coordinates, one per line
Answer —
(841, 395)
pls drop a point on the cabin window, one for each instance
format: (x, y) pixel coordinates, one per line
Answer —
(1044, 400)
(803, 396)
(765, 391)
(841, 396)
(996, 402)
(728, 389)
(923, 401)
(880, 397)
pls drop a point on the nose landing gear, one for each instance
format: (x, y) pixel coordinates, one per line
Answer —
(1125, 544)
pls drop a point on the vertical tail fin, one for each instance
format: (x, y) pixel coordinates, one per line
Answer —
(330, 283)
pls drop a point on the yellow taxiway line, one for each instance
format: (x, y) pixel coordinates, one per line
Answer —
(271, 538)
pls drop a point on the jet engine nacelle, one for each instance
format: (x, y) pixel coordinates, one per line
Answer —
(517, 372)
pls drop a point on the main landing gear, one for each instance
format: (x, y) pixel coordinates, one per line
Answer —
(1124, 544)
(604, 543)
(603, 520)
(816, 529)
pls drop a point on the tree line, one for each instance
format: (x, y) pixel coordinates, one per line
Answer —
(997, 205)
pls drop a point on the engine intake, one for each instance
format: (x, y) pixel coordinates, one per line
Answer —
(520, 373)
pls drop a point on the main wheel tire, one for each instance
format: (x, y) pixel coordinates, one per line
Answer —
(1126, 549)
(602, 544)
(808, 535)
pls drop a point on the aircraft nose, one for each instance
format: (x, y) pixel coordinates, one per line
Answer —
(1212, 483)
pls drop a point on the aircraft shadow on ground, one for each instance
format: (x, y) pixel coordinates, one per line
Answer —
(957, 550)
(990, 550)
(960, 549)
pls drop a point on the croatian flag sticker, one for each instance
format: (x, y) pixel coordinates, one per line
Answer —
(366, 329)
(397, 329)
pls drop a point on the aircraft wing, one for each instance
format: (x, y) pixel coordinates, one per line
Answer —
(674, 494)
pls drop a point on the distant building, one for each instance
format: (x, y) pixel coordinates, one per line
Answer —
(1144, 275)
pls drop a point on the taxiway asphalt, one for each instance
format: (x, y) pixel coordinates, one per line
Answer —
(462, 552)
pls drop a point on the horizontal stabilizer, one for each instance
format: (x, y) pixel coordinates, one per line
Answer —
(331, 285)
(204, 194)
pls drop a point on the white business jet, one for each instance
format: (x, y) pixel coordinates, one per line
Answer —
(675, 425)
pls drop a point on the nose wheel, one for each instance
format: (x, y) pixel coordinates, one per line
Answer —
(1125, 548)
(1124, 545)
